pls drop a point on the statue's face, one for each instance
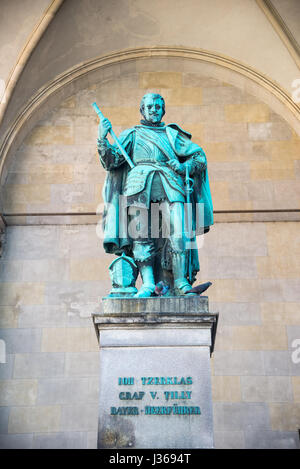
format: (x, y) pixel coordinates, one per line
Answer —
(153, 110)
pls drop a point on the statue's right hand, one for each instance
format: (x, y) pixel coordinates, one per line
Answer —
(104, 127)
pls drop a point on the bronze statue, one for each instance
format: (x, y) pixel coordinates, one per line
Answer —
(157, 199)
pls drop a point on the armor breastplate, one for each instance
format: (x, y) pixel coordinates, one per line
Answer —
(145, 151)
(150, 160)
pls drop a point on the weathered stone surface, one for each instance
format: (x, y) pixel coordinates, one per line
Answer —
(269, 131)
(238, 362)
(280, 289)
(160, 79)
(92, 438)
(88, 269)
(51, 174)
(69, 339)
(67, 391)
(9, 316)
(266, 389)
(43, 316)
(4, 415)
(39, 365)
(45, 135)
(229, 439)
(81, 417)
(188, 95)
(218, 151)
(219, 240)
(225, 132)
(6, 369)
(280, 313)
(276, 362)
(75, 295)
(65, 196)
(193, 115)
(226, 388)
(18, 293)
(231, 125)
(38, 242)
(160, 344)
(271, 440)
(82, 364)
(296, 388)
(155, 337)
(26, 193)
(16, 441)
(41, 270)
(237, 313)
(196, 79)
(229, 267)
(155, 305)
(226, 171)
(34, 419)
(224, 95)
(80, 242)
(146, 312)
(285, 416)
(152, 361)
(247, 112)
(241, 416)
(252, 338)
(11, 271)
(21, 340)
(66, 170)
(65, 440)
(18, 392)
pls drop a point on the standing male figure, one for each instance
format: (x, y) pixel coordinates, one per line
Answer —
(164, 157)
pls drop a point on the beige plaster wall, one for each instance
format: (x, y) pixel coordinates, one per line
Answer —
(53, 274)
(51, 279)
(82, 30)
(253, 154)
(17, 21)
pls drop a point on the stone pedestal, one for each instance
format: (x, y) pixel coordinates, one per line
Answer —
(155, 379)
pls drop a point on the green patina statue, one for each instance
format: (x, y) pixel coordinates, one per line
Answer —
(157, 200)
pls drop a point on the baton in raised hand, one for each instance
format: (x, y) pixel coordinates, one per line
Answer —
(112, 133)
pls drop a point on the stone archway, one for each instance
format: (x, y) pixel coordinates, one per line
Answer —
(114, 65)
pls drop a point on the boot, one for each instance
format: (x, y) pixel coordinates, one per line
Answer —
(181, 285)
(147, 275)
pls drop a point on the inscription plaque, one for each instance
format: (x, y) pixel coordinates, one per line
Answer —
(155, 380)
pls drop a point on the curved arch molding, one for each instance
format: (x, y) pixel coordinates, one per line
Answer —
(30, 45)
(110, 66)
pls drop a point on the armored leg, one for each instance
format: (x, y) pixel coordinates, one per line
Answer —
(179, 252)
(148, 286)
(181, 283)
(143, 251)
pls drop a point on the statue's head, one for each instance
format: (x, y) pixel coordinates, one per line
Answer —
(152, 107)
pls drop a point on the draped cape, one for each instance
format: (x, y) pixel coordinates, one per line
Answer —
(116, 239)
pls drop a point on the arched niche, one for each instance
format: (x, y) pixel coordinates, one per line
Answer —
(105, 73)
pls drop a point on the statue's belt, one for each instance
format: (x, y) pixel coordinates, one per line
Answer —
(151, 162)
(136, 178)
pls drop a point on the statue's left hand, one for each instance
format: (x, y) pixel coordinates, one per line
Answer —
(177, 166)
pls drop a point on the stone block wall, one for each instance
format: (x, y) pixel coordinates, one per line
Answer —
(253, 153)
(53, 269)
(49, 383)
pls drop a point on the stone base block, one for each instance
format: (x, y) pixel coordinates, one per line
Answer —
(155, 383)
